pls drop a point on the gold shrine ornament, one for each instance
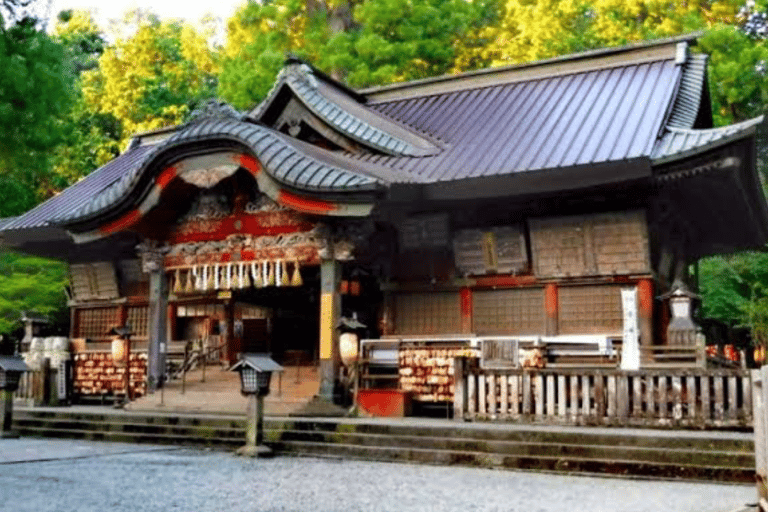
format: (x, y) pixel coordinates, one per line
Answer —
(296, 279)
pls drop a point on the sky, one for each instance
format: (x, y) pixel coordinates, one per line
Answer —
(190, 10)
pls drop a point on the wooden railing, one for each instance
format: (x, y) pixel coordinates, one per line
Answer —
(695, 398)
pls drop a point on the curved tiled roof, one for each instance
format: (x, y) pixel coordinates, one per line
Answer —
(689, 94)
(347, 116)
(286, 160)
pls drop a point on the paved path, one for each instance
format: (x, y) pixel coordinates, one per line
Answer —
(56, 475)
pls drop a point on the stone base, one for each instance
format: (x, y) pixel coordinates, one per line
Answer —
(319, 407)
(260, 451)
(9, 434)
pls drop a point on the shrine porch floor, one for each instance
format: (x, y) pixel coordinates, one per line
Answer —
(219, 393)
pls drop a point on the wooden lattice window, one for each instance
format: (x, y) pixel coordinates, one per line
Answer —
(138, 318)
(428, 313)
(590, 310)
(94, 323)
(513, 311)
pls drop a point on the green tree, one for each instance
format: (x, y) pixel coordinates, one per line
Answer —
(153, 78)
(365, 42)
(91, 138)
(35, 93)
(536, 29)
(30, 284)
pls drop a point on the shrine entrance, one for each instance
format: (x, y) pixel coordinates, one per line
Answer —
(291, 331)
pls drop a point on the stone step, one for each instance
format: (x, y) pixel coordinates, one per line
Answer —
(587, 449)
(609, 466)
(688, 455)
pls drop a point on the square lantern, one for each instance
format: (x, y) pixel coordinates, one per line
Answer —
(255, 373)
(11, 368)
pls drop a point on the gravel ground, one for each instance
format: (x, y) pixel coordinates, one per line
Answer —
(56, 475)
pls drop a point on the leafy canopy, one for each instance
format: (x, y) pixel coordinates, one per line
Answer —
(30, 284)
(367, 42)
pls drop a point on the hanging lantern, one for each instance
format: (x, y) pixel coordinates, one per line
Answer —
(354, 287)
(344, 287)
(177, 282)
(198, 278)
(759, 354)
(119, 351)
(296, 279)
(217, 277)
(270, 274)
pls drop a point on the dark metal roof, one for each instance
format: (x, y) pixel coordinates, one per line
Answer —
(345, 114)
(259, 362)
(13, 364)
(567, 120)
(289, 161)
(689, 95)
(680, 142)
(74, 197)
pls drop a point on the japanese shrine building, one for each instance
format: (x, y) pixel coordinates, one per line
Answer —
(507, 202)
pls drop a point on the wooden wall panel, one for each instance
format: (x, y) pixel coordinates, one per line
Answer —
(93, 281)
(428, 313)
(590, 245)
(496, 250)
(592, 309)
(513, 311)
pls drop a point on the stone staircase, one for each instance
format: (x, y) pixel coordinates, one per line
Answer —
(713, 456)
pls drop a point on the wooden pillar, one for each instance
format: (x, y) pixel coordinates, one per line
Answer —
(229, 332)
(645, 311)
(172, 314)
(552, 307)
(330, 312)
(152, 264)
(466, 310)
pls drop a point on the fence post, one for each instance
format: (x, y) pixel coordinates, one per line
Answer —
(760, 414)
(459, 389)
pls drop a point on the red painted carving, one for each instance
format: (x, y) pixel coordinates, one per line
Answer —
(255, 224)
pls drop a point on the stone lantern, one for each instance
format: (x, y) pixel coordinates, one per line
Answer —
(255, 375)
(11, 368)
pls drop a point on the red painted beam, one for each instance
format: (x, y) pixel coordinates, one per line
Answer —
(305, 204)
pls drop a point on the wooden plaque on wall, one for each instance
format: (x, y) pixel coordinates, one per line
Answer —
(499, 250)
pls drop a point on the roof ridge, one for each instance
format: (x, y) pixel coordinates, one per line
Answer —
(646, 51)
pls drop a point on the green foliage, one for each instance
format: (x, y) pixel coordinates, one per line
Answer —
(737, 74)
(734, 290)
(150, 80)
(364, 43)
(30, 284)
(36, 88)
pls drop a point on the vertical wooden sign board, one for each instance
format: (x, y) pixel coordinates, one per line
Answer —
(630, 353)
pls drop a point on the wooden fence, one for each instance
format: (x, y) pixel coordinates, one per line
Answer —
(760, 394)
(693, 398)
